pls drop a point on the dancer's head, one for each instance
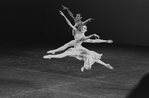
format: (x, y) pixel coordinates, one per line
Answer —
(83, 28)
(78, 17)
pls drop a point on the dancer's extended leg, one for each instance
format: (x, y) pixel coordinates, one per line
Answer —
(69, 44)
(66, 53)
(98, 41)
(102, 63)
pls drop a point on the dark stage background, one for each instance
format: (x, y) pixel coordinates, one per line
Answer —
(39, 21)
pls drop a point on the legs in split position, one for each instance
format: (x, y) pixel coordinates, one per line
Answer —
(89, 60)
(81, 53)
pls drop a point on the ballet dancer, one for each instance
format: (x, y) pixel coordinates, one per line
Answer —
(81, 53)
(77, 20)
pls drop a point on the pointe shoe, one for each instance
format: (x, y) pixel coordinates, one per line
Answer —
(51, 51)
(109, 66)
(82, 69)
(110, 41)
(46, 57)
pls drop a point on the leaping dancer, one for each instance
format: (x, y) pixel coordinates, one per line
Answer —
(80, 52)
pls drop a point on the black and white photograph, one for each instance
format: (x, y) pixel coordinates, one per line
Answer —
(74, 49)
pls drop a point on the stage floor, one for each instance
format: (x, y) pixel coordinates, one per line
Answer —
(25, 74)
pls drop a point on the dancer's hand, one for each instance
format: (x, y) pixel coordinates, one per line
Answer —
(109, 41)
(64, 8)
(91, 19)
(96, 36)
(61, 13)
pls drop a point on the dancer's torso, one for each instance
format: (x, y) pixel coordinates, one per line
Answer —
(78, 48)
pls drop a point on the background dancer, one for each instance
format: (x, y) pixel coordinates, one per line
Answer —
(77, 20)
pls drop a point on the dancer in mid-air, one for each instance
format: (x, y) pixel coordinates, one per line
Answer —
(81, 53)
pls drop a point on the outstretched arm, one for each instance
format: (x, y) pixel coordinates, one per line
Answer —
(88, 20)
(97, 40)
(69, 23)
(87, 38)
(92, 35)
(69, 12)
